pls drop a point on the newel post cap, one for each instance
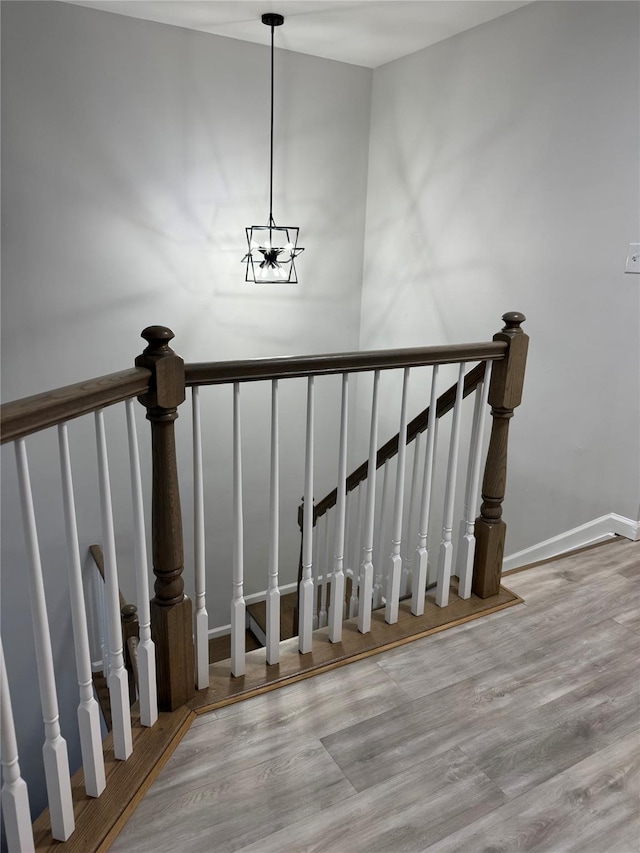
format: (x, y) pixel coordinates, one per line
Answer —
(512, 321)
(157, 338)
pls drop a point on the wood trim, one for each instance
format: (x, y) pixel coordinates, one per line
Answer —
(247, 370)
(445, 404)
(98, 821)
(325, 656)
(98, 559)
(31, 414)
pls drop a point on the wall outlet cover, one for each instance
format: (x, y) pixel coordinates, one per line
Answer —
(633, 258)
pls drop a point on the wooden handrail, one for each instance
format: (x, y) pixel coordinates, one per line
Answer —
(445, 403)
(289, 367)
(28, 415)
(31, 414)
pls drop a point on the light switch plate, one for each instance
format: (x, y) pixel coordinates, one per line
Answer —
(633, 258)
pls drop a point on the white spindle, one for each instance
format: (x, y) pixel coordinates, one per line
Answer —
(347, 566)
(307, 592)
(420, 579)
(104, 640)
(238, 605)
(378, 585)
(146, 649)
(322, 614)
(88, 709)
(467, 546)
(201, 618)
(395, 563)
(319, 550)
(355, 559)
(407, 569)
(365, 586)
(15, 797)
(54, 750)
(273, 593)
(118, 680)
(337, 579)
(445, 555)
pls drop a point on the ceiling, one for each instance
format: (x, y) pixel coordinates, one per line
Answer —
(360, 32)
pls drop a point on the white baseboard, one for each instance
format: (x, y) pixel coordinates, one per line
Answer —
(598, 530)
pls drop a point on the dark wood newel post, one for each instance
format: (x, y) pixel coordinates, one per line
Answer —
(505, 394)
(171, 609)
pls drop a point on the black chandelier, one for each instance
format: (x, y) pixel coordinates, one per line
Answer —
(272, 248)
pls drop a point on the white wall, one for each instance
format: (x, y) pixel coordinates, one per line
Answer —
(133, 157)
(504, 175)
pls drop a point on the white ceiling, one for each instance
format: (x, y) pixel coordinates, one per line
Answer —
(361, 32)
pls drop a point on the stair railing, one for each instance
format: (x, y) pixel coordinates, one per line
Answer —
(508, 349)
(20, 420)
(159, 381)
(476, 378)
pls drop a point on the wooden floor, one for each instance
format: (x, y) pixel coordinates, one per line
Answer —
(518, 732)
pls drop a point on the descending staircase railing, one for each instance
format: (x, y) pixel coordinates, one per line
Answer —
(445, 403)
(169, 630)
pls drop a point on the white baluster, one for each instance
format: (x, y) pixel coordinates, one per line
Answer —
(88, 709)
(307, 592)
(467, 546)
(118, 680)
(347, 566)
(337, 578)
(104, 640)
(395, 563)
(319, 550)
(378, 585)
(146, 649)
(355, 560)
(365, 586)
(322, 615)
(273, 593)
(407, 569)
(201, 618)
(422, 555)
(54, 750)
(15, 798)
(445, 555)
(238, 606)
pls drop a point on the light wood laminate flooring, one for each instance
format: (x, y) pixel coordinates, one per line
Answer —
(517, 732)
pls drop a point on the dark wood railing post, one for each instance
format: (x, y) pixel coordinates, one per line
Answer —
(505, 394)
(171, 609)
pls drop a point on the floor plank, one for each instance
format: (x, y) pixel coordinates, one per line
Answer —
(400, 815)
(591, 808)
(225, 811)
(485, 706)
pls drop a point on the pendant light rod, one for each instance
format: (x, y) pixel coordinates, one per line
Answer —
(273, 20)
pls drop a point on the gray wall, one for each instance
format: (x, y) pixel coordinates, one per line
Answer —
(133, 157)
(504, 175)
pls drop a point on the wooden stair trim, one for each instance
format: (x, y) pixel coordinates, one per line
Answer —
(98, 821)
(260, 678)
